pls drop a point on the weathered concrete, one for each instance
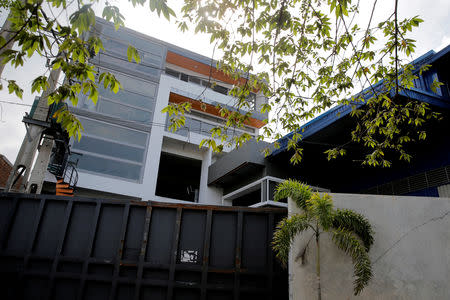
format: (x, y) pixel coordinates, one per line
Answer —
(410, 257)
(444, 190)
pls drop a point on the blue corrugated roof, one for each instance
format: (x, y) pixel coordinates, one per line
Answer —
(342, 110)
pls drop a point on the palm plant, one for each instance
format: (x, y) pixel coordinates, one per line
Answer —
(351, 232)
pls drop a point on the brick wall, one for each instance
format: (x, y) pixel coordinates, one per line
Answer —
(5, 169)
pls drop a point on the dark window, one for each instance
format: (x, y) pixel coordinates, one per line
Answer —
(206, 83)
(220, 89)
(173, 73)
(194, 80)
(184, 77)
(178, 177)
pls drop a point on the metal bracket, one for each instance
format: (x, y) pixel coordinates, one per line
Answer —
(28, 120)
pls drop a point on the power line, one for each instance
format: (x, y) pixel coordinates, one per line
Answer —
(15, 103)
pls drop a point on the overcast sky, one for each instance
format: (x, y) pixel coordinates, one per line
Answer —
(433, 34)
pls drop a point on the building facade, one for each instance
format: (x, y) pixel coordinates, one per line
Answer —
(127, 149)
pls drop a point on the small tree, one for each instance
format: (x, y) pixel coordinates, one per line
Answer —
(351, 232)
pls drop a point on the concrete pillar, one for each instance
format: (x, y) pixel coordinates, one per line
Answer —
(208, 194)
(444, 191)
(40, 167)
(32, 138)
(25, 157)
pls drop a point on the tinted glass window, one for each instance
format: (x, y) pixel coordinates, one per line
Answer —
(220, 89)
(194, 80)
(124, 112)
(206, 83)
(139, 43)
(184, 77)
(110, 167)
(114, 133)
(206, 128)
(102, 147)
(195, 126)
(133, 84)
(127, 67)
(173, 73)
(127, 97)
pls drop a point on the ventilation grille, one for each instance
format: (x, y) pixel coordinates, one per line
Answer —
(433, 178)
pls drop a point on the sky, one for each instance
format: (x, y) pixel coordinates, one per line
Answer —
(433, 34)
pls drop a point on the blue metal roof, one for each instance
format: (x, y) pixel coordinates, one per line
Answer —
(340, 111)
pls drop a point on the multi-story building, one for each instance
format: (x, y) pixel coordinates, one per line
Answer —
(127, 149)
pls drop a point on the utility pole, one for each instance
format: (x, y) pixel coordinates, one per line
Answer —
(36, 124)
(32, 142)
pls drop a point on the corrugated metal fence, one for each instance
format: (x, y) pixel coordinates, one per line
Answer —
(73, 248)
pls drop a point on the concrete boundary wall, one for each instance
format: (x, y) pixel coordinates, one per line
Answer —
(410, 257)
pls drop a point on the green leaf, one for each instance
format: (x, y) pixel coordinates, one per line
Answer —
(14, 88)
(132, 53)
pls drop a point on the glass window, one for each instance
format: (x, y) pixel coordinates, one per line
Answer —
(127, 97)
(195, 126)
(134, 40)
(124, 112)
(114, 133)
(180, 130)
(135, 85)
(94, 145)
(206, 83)
(114, 46)
(109, 166)
(123, 64)
(220, 89)
(206, 128)
(184, 77)
(172, 73)
(194, 80)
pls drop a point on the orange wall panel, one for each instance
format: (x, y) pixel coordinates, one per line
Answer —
(200, 68)
(209, 109)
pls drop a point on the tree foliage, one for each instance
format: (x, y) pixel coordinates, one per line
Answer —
(350, 231)
(45, 28)
(305, 56)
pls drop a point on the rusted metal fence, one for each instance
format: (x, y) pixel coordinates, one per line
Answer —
(73, 248)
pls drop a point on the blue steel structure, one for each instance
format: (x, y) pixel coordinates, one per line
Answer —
(421, 93)
(429, 168)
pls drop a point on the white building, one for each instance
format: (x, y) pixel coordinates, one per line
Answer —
(127, 149)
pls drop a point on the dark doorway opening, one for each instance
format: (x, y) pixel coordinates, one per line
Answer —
(178, 177)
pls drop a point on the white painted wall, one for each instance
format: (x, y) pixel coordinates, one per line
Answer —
(208, 194)
(410, 257)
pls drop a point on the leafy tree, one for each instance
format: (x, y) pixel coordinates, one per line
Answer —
(309, 55)
(45, 28)
(4, 4)
(351, 232)
(304, 55)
